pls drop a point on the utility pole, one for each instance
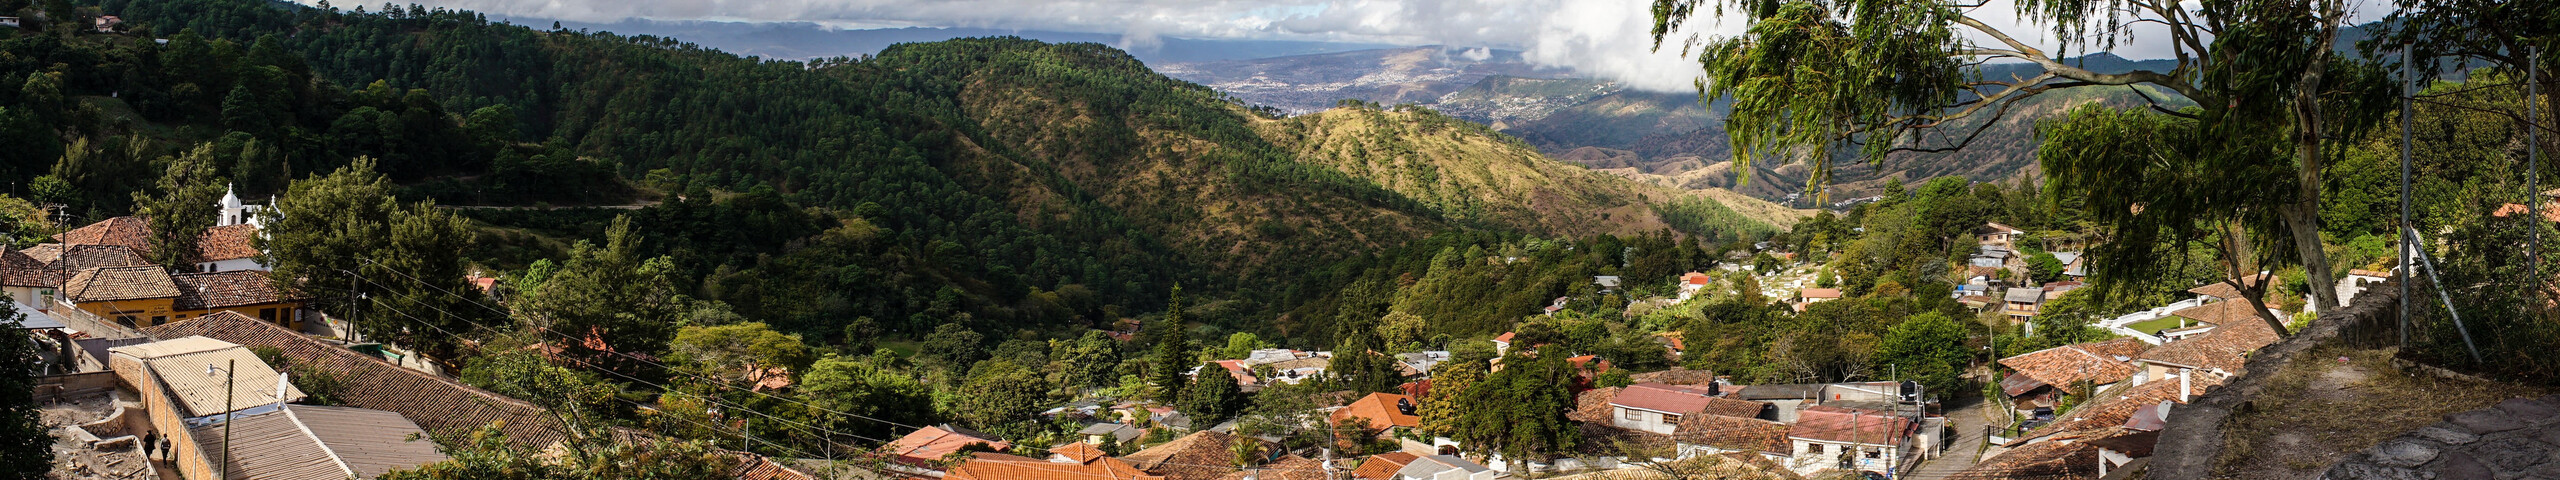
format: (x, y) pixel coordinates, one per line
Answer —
(229, 376)
(2403, 274)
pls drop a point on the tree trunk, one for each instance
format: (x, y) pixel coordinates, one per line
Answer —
(2303, 219)
(2303, 215)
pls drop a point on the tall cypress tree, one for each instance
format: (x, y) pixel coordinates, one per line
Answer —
(1172, 355)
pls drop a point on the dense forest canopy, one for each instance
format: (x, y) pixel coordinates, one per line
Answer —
(1010, 185)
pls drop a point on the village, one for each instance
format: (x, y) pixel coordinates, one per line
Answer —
(158, 375)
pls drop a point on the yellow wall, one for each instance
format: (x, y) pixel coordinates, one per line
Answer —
(282, 311)
(141, 310)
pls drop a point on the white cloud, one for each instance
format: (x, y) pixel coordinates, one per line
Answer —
(1605, 38)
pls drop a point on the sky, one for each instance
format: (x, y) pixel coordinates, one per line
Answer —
(1603, 38)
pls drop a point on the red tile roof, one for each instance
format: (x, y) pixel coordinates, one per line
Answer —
(227, 242)
(2098, 362)
(1382, 466)
(1678, 376)
(1203, 455)
(1812, 293)
(2130, 442)
(1505, 337)
(2225, 348)
(1236, 369)
(1593, 406)
(2039, 461)
(51, 265)
(1695, 278)
(2114, 408)
(1008, 467)
(107, 284)
(1291, 467)
(1381, 411)
(1685, 401)
(128, 231)
(936, 442)
(2223, 289)
(2549, 214)
(1079, 451)
(1734, 433)
(199, 291)
(1834, 424)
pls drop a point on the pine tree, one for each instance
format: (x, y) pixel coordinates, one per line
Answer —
(1172, 356)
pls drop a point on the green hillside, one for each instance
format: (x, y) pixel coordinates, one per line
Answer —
(1030, 186)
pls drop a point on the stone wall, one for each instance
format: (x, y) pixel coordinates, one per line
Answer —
(2193, 438)
(55, 387)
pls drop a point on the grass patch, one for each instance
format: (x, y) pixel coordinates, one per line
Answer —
(2154, 326)
(2319, 409)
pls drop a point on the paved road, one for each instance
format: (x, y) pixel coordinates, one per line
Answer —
(1963, 452)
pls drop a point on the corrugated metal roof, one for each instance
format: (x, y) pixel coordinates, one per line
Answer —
(269, 446)
(181, 365)
(370, 442)
(170, 347)
(35, 319)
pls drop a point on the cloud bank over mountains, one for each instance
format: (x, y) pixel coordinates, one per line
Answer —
(1601, 38)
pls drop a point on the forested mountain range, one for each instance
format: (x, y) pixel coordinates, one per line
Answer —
(1005, 184)
(1665, 138)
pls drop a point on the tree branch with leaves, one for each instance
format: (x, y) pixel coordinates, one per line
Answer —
(1808, 77)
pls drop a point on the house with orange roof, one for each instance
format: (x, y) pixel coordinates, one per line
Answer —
(126, 231)
(1203, 455)
(997, 466)
(1827, 438)
(1076, 452)
(247, 292)
(1381, 411)
(35, 275)
(1659, 408)
(1382, 466)
(2035, 377)
(1691, 283)
(933, 443)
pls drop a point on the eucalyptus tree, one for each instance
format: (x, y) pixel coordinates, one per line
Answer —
(2257, 92)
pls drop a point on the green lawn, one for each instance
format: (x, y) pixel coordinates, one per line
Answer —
(2154, 326)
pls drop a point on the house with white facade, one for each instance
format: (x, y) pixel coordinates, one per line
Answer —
(1659, 408)
(1832, 438)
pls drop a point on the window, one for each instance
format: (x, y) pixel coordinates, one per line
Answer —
(127, 320)
(268, 314)
(1669, 418)
(156, 320)
(1632, 415)
(1874, 452)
